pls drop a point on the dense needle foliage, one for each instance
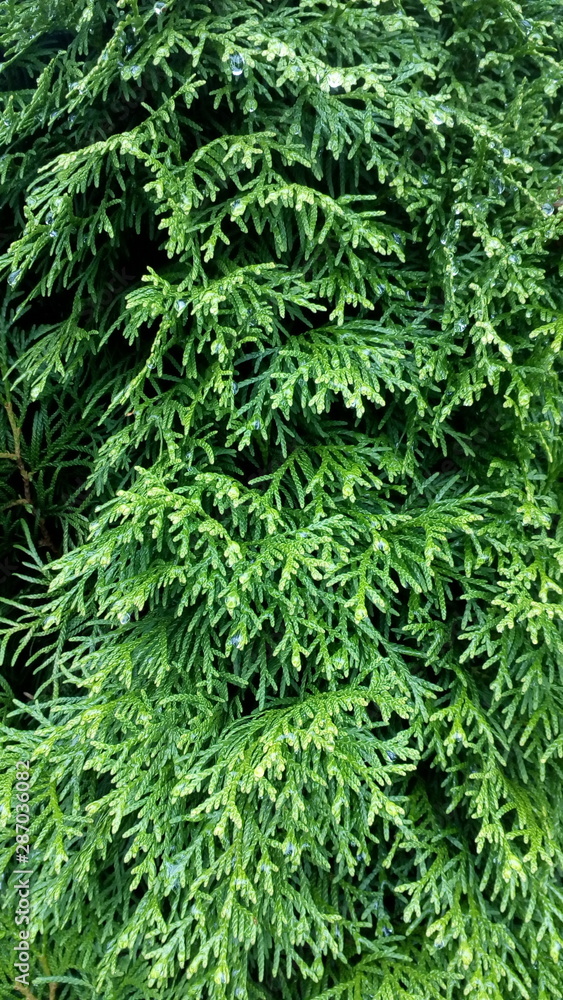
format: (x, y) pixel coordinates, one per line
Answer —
(282, 475)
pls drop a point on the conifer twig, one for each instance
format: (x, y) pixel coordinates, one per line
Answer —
(16, 456)
(25, 990)
(47, 971)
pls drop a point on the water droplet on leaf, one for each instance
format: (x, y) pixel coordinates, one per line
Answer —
(237, 62)
(335, 80)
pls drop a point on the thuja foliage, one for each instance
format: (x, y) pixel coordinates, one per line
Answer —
(282, 480)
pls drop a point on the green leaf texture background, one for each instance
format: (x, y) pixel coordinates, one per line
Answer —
(281, 486)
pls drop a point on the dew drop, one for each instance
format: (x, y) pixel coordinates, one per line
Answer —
(547, 209)
(13, 277)
(180, 305)
(49, 622)
(515, 258)
(159, 8)
(526, 26)
(237, 62)
(257, 425)
(506, 153)
(387, 931)
(438, 118)
(237, 207)
(335, 80)
(124, 618)
(251, 106)
(391, 755)
(236, 640)
(460, 325)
